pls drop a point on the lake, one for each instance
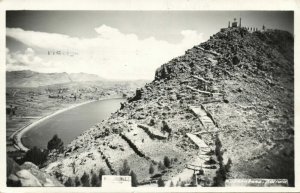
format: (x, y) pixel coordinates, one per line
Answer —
(71, 123)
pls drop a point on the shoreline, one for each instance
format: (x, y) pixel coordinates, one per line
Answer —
(17, 135)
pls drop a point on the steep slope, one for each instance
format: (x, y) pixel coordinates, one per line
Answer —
(237, 86)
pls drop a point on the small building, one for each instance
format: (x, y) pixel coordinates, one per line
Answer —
(234, 24)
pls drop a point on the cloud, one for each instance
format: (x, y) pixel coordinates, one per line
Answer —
(27, 60)
(111, 54)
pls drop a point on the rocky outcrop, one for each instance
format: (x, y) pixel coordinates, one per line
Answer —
(28, 175)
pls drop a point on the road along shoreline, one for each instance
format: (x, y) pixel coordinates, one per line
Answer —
(17, 135)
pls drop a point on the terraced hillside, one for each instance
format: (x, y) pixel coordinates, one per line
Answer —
(236, 87)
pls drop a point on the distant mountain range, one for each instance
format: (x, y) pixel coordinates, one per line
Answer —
(28, 78)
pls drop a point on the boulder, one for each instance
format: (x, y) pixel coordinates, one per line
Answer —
(13, 181)
(29, 165)
(27, 179)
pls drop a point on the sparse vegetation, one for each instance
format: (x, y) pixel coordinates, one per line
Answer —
(165, 127)
(36, 156)
(161, 166)
(160, 182)
(77, 181)
(125, 170)
(85, 180)
(221, 173)
(55, 143)
(167, 161)
(69, 182)
(95, 182)
(182, 183)
(151, 169)
(228, 165)
(134, 181)
(194, 180)
(101, 173)
(152, 122)
(171, 184)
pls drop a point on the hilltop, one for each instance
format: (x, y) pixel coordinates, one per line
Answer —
(237, 87)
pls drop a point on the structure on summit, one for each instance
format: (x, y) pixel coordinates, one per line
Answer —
(236, 24)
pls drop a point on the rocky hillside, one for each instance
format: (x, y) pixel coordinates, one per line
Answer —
(236, 87)
(27, 78)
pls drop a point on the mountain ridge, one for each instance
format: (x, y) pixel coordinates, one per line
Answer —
(28, 78)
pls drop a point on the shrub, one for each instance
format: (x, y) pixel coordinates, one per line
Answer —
(85, 180)
(58, 176)
(151, 169)
(171, 184)
(125, 170)
(77, 181)
(235, 60)
(95, 182)
(218, 151)
(55, 143)
(167, 162)
(201, 172)
(221, 173)
(36, 156)
(165, 127)
(151, 122)
(220, 178)
(134, 182)
(101, 173)
(160, 182)
(228, 165)
(182, 184)
(194, 180)
(69, 182)
(161, 166)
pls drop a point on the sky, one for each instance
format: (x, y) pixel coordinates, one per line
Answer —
(122, 45)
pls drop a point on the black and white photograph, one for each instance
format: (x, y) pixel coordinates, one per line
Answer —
(159, 99)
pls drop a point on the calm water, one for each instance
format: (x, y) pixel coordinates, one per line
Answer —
(70, 124)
